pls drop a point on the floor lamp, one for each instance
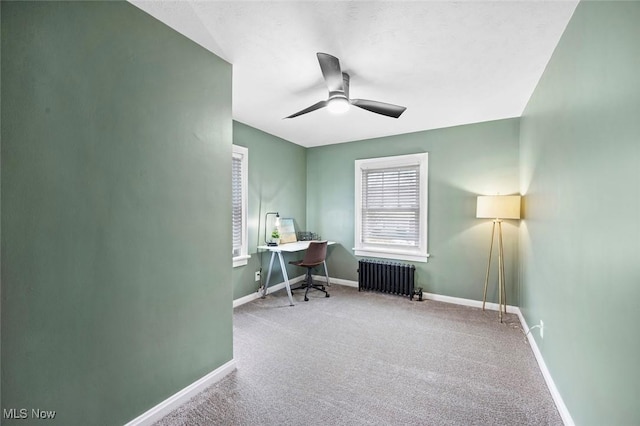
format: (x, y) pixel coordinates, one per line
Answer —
(497, 207)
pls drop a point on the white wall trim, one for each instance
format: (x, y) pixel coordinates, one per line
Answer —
(419, 253)
(430, 296)
(241, 260)
(339, 281)
(391, 254)
(242, 153)
(555, 394)
(258, 294)
(165, 407)
(467, 302)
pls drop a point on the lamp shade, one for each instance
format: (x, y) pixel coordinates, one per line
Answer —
(498, 207)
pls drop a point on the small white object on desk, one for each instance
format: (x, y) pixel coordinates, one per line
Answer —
(288, 248)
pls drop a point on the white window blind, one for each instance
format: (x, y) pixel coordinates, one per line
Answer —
(239, 194)
(236, 204)
(391, 206)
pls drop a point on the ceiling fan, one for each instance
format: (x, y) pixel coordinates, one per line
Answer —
(338, 85)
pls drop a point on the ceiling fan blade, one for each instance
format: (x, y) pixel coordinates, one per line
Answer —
(313, 107)
(330, 66)
(389, 110)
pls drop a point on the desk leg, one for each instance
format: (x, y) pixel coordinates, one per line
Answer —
(266, 283)
(286, 277)
(326, 273)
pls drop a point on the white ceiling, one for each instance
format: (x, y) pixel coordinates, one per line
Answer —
(449, 63)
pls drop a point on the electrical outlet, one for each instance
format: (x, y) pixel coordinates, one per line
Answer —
(257, 275)
(541, 329)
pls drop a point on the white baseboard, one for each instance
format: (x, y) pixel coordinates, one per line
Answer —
(555, 394)
(467, 302)
(339, 281)
(258, 294)
(165, 407)
(430, 296)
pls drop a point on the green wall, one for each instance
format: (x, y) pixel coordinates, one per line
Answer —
(464, 162)
(116, 147)
(277, 183)
(580, 156)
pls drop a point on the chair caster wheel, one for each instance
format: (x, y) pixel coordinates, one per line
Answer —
(327, 295)
(306, 299)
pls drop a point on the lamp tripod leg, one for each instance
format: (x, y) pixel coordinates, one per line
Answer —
(486, 279)
(501, 278)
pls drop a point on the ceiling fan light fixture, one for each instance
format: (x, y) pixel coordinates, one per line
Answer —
(338, 85)
(338, 105)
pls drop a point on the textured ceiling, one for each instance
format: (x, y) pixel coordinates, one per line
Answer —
(449, 63)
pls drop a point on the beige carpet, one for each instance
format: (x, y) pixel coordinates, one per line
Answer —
(373, 359)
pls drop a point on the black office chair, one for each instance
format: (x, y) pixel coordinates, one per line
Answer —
(315, 255)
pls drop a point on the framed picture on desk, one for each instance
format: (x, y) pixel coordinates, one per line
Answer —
(287, 231)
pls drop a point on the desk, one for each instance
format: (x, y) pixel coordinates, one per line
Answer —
(287, 248)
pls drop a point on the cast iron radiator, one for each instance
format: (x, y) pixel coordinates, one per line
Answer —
(388, 277)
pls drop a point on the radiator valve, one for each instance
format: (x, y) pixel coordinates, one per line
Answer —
(418, 293)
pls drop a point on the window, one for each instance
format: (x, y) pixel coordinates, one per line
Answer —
(391, 207)
(239, 173)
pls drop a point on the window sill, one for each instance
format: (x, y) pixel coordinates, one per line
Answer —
(391, 254)
(240, 260)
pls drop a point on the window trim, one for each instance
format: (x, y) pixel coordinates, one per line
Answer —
(418, 254)
(243, 153)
